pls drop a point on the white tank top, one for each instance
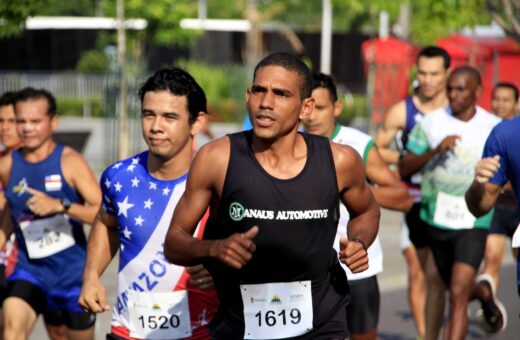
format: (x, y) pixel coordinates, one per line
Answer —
(362, 143)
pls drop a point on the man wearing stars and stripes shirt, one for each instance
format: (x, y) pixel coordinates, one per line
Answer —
(156, 300)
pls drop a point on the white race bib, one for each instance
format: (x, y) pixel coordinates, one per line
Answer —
(277, 310)
(515, 240)
(164, 315)
(47, 236)
(452, 212)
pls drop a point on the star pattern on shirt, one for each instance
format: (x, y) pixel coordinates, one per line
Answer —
(118, 187)
(135, 182)
(135, 160)
(148, 204)
(107, 183)
(166, 191)
(127, 232)
(153, 186)
(131, 167)
(139, 220)
(123, 207)
(117, 165)
(107, 199)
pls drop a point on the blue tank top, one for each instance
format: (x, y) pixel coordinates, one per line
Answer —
(59, 271)
(413, 116)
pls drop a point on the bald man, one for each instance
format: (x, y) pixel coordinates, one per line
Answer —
(446, 145)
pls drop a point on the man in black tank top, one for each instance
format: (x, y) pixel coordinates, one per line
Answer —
(274, 197)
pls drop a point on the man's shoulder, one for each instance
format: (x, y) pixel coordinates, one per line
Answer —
(487, 117)
(434, 116)
(507, 129)
(125, 166)
(215, 152)
(397, 114)
(348, 135)
(72, 159)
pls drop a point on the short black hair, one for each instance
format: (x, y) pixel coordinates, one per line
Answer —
(469, 70)
(507, 85)
(435, 51)
(179, 83)
(30, 93)
(7, 98)
(290, 62)
(321, 80)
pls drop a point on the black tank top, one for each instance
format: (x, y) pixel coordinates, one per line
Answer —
(297, 220)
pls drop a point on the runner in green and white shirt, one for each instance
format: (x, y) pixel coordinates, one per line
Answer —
(363, 310)
(446, 145)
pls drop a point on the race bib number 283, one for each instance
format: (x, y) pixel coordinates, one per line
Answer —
(277, 310)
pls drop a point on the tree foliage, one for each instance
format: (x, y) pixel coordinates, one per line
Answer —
(430, 18)
(506, 13)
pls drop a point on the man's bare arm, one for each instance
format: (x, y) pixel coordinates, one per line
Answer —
(206, 178)
(388, 191)
(482, 195)
(103, 243)
(6, 227)
(412, 163)
(395, 120)
(362, 206)
(85, 183)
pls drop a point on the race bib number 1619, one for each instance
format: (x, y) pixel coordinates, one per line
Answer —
(277, 310)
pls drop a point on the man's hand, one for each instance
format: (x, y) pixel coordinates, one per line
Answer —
(448, 143)
(199, 277)
(43, 205)
(486, 168)
(353, 254)
(237, 249)
(93, 296)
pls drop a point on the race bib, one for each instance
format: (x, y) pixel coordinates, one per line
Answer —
(452, 212)
(159, 315)
(515, 240)
(47, 236)
(277, 310)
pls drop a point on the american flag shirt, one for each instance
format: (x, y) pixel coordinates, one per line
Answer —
(143, 206)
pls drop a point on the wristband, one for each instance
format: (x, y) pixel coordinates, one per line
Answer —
(360, 241)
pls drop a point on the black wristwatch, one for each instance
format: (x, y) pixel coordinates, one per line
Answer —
(66, 203)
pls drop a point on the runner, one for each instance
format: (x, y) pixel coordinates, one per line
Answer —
(506, 217)
(139, 196)
(500, 164)
(363, 310)
(427, 306)
(447, 144)
(50, 191)
(10, 140)
(275, 190)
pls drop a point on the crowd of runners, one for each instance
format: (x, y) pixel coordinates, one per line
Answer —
(267, 233)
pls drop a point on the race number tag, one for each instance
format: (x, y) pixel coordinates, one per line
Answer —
(515, 240)
(277, 310)
(163, 315)
(47, 236)
(452, 212)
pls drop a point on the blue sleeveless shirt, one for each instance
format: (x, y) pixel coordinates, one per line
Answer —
(413, 116)
(59, 272)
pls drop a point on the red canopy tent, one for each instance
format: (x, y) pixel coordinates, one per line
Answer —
(387, 63)
(497, 59)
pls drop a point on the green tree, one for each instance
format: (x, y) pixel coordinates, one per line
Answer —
(506, 13)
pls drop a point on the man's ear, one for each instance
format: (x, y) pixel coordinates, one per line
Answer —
(478, 91)
(54, 122)
(307, 107)
(338, 107)
(199, 122)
